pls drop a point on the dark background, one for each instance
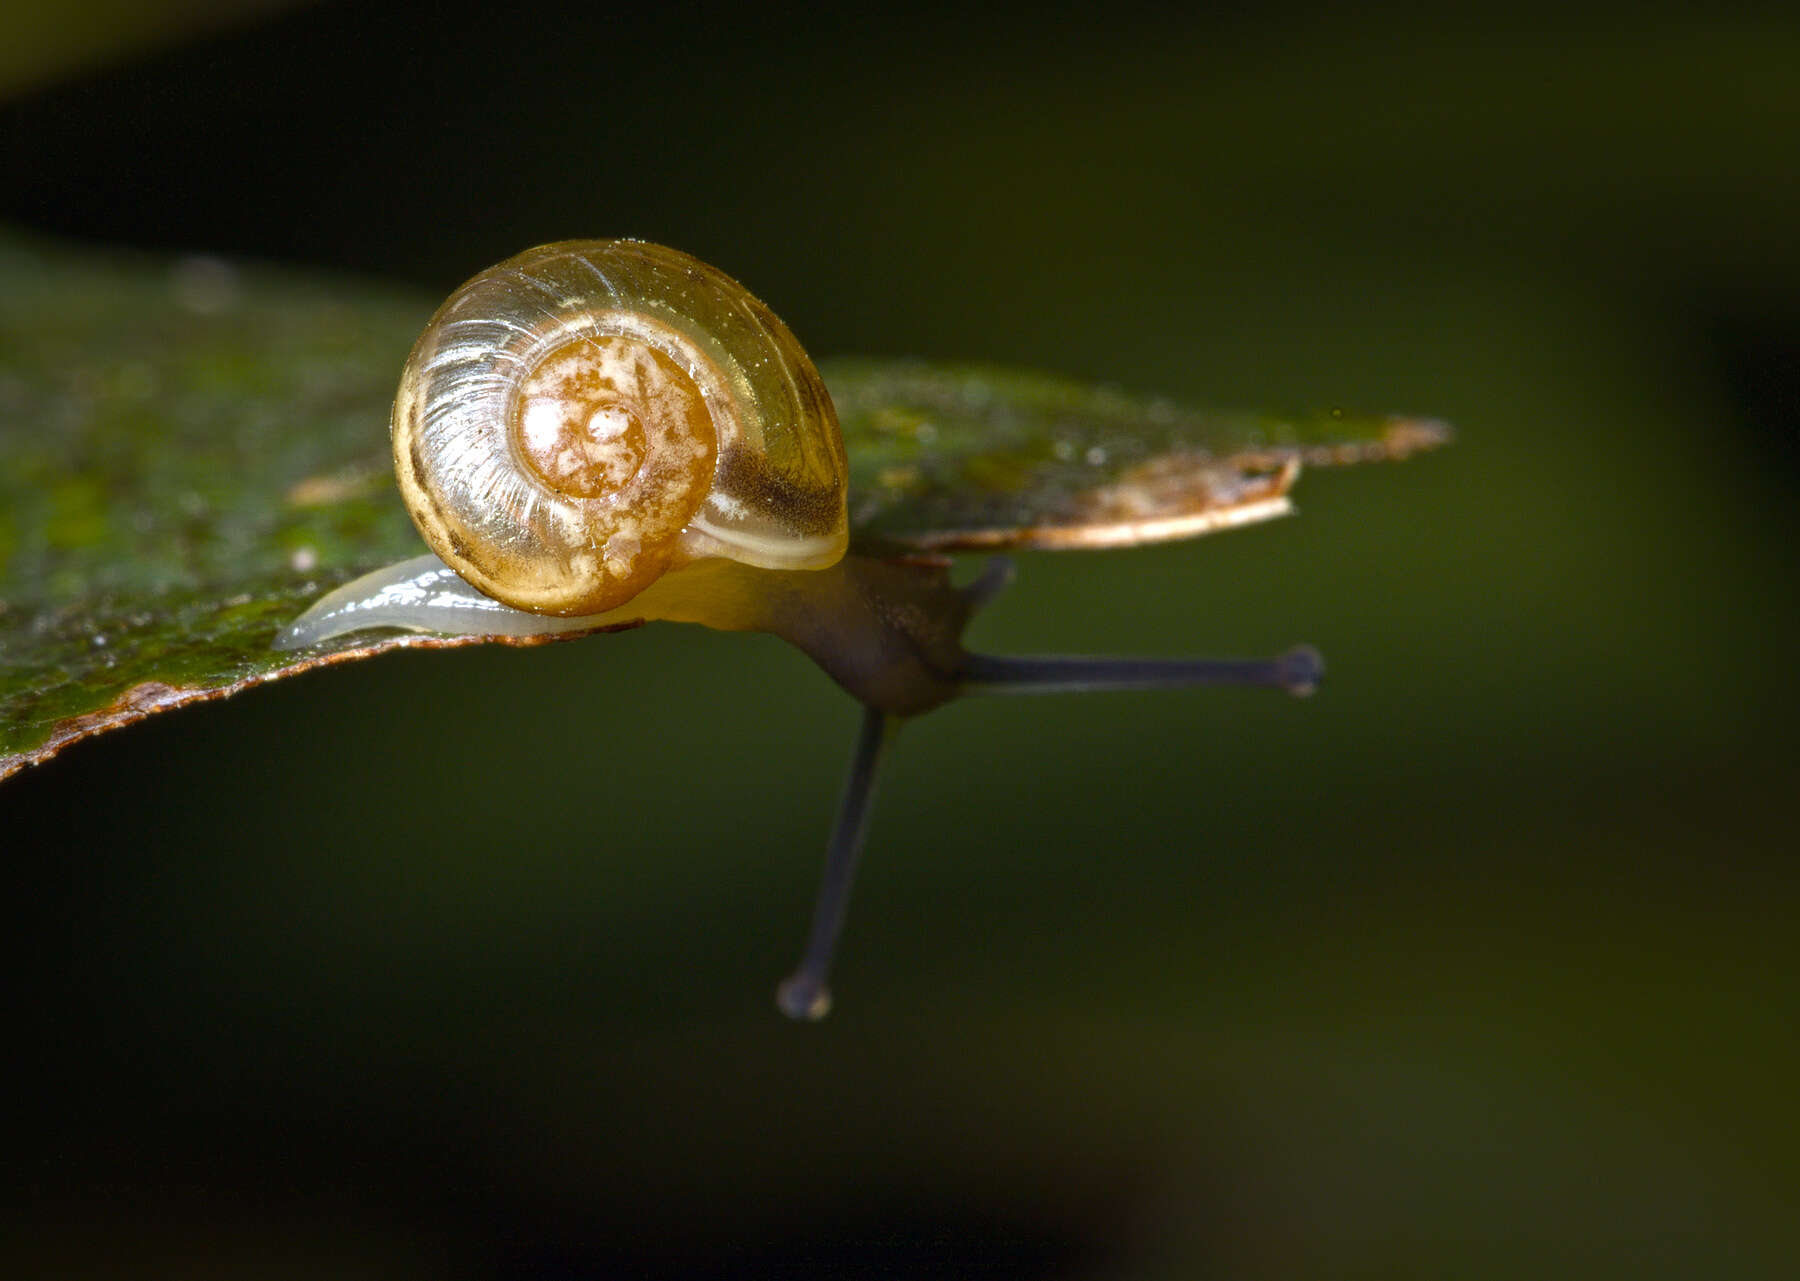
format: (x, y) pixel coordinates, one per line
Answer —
(1480, 963)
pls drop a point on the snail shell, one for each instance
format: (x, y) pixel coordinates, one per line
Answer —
(590, 415)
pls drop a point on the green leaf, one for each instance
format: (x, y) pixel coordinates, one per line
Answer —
(191, 451)
(948, 458)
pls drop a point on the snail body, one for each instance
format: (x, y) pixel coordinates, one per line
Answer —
(598, 433)
(594, 434)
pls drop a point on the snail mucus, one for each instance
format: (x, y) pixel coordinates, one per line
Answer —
(593, 434)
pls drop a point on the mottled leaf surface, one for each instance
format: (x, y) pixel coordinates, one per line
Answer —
(191, 451)
(946, 458)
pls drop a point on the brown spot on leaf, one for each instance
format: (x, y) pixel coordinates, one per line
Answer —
(1400, 438)
(1170, 496)
(336, 487)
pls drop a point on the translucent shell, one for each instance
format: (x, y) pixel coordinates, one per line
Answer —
(589, 415)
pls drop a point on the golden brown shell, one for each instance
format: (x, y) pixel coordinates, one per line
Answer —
(591, 414)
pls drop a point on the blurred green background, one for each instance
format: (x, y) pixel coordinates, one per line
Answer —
(1479, 963)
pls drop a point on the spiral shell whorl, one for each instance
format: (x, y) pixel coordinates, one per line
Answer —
(586, 415)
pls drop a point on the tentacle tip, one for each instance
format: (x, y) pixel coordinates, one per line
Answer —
(1303, 667)
(803, 998)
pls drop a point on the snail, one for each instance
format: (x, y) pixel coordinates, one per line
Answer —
(595, 434)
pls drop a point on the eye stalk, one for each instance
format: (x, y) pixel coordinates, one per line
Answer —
(595, 434)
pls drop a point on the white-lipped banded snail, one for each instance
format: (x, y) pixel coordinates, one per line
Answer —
(596, 433)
